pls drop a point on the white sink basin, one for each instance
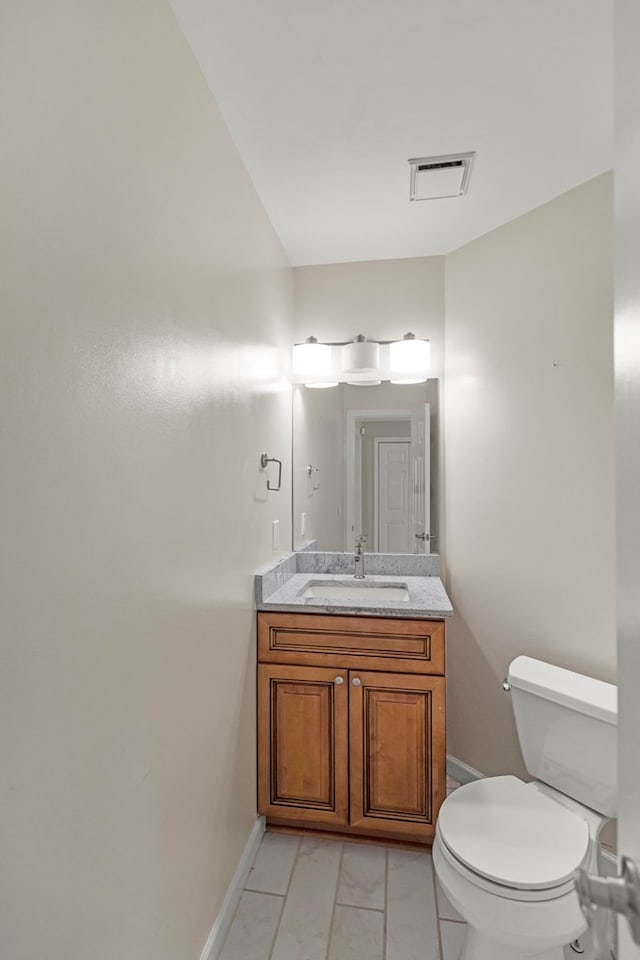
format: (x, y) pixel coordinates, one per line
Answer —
(355, 590)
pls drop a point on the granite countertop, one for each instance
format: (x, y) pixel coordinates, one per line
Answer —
(281, 587)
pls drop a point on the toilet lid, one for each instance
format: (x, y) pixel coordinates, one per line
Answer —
(510, 833)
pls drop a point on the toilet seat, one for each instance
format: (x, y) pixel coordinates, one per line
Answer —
(506, 833)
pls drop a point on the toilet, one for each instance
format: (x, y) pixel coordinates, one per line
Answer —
(505, 851)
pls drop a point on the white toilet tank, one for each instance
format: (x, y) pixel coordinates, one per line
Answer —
(567, 727)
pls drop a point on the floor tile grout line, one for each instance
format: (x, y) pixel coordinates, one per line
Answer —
(284, 901)
(293, 866)
(275, 932)
(271, 892)
(358, 906)
(437, 911)
(386, 893)
(335, 902)
(264, 893)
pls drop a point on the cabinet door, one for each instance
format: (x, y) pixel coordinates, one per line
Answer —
(397, 752)
(303, 743)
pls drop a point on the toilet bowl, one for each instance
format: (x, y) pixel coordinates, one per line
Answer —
(505, 851)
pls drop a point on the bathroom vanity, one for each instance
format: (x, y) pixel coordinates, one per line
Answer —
(351, 696)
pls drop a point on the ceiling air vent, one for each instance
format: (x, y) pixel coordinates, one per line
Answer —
(434, 178)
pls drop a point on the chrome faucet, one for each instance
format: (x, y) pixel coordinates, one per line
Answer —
(358, 558)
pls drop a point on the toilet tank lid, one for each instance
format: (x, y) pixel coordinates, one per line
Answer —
(592, 697)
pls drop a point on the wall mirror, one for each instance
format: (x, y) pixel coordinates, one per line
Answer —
(365, 463)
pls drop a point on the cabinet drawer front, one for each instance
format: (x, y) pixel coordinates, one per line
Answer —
(376, 643)
(302, 736)
(398, 775)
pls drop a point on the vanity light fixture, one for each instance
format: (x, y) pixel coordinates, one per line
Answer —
(360, 362)
(409, 359)
(312, 361)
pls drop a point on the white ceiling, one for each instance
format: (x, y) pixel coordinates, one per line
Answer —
(327, 100)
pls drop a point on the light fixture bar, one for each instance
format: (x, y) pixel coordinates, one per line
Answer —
(360, 362)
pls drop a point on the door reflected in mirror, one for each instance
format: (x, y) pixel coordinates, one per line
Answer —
(365, 465)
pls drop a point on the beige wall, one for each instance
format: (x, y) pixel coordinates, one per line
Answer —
(528, 411)
(146, 312)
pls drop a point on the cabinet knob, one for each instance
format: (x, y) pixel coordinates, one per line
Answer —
(339, 680)
(356, 681)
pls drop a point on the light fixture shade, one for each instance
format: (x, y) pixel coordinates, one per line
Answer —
(409, 359)
(311, 358)
(362, 357)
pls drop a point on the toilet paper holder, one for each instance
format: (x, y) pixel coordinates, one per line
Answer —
(264, 460)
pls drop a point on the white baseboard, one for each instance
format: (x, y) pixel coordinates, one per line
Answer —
(213, 946)
(462, 772)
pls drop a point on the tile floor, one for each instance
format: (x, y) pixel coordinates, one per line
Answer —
(308, 899)
(313, 899)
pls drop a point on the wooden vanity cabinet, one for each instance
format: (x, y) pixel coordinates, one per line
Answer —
(351, 723)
